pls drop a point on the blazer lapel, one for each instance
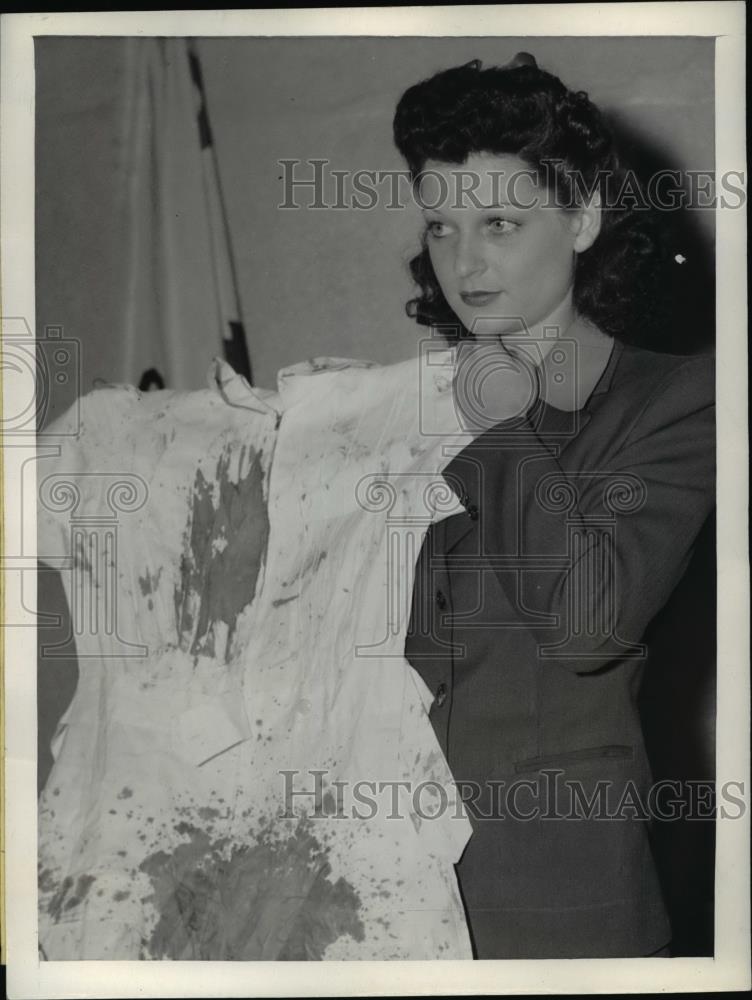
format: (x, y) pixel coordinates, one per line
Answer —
(553, 427)
(483, 460)
(452, 530)
(557, 428)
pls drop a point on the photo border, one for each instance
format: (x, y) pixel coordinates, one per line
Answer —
(729, 969)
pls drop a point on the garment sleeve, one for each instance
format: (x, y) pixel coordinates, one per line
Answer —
(89, 437)
(60, 463)
(603, 548)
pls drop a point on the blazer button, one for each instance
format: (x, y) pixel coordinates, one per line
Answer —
(441, 695)
(441, 601)
(472, 511)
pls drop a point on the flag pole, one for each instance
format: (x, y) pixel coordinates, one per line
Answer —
(234, 341)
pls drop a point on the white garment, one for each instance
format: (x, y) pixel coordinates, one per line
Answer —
(240, 603)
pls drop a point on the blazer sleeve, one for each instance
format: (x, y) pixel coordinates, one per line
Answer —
(617, 537)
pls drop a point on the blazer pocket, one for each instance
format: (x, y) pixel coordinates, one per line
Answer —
(612, 751)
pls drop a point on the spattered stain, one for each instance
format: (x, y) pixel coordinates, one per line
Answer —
(310, 565)
(150, 582)
(284, 600)
(224, 545)
(268, 899)
(64, 899)
(208, 813)
(46, 880)
(80, 558)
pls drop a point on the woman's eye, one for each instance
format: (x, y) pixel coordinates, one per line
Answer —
(436, 229)
(501, 225)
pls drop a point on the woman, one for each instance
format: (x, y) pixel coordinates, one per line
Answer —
(590, 477)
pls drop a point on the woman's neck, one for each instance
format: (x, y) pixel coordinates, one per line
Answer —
(569, 374)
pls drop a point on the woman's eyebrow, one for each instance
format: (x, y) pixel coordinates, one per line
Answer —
(496, 204)
(482, 208)
(492, 206)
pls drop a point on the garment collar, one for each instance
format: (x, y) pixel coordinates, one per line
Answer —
(547, 424)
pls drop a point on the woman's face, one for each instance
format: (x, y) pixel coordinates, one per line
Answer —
(502, 253)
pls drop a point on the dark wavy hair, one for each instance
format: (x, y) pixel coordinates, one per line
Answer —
(520, 109)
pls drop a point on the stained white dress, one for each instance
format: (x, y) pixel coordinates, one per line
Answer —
(239, 565)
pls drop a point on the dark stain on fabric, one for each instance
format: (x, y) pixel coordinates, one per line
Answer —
(310, 565)
(150, 582)
(125, 793)
(268, 899)
(313, 562)
(345, 426)
(62, 901)
(224, 546)
(80, 558)
(46, 880)
(284, 600)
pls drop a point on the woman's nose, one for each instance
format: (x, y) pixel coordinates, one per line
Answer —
(468, 259)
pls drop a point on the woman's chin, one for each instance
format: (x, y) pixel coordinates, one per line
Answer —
(489, 327)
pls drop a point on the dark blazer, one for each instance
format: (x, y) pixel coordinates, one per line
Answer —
(527, 619)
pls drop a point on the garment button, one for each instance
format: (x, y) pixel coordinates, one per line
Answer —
(441, 694)
(472, 511)
(441, 601)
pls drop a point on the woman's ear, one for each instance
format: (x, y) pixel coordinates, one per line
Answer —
(588, 223)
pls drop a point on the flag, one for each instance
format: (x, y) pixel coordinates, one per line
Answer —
(182, 301)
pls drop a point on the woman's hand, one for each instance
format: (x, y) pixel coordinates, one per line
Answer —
(491, 385)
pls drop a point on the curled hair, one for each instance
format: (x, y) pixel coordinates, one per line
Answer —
(522, 110)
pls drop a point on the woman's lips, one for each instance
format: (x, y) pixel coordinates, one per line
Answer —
(478, 298)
